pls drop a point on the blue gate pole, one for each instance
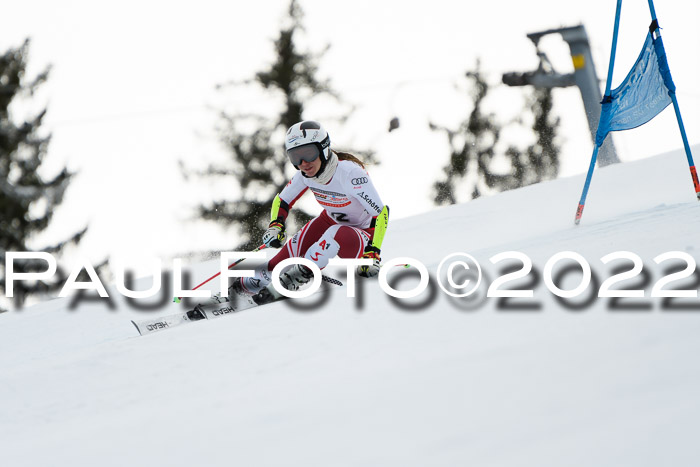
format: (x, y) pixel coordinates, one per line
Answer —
(677, 110)
(608, 85)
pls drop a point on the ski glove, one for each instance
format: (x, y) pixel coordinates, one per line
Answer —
(274, 236)
(371, 252)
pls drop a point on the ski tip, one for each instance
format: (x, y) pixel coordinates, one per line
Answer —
(137, 327)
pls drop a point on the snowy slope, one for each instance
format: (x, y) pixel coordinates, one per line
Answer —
(454, 382)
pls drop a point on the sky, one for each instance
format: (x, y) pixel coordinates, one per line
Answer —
(133, 92)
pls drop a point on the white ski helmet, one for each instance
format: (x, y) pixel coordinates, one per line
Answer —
(307, 140)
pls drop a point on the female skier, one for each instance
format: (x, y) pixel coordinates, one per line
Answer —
(351, 225)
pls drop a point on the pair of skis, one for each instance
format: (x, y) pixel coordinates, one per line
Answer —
(220, 306)
(217, 307)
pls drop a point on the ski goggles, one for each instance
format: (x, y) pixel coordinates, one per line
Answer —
(308, 153)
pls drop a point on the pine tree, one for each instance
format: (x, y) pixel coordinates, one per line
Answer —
(258, 161)
(540, 161)
(473, 148)
(27, 200)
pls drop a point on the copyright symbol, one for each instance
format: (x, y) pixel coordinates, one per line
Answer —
(461, 273)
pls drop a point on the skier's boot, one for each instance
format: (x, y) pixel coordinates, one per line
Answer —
(292, 279)
(296, 276)
(236, 289)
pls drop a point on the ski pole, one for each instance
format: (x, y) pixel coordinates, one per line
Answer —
(235, 263)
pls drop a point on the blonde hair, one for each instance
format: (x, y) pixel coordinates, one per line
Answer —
(346, 156)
